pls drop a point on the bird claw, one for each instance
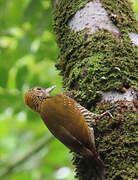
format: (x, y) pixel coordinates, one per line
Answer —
(108, 112)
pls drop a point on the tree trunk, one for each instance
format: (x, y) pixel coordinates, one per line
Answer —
(98, 43)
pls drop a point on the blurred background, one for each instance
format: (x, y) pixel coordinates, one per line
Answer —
(28, 53)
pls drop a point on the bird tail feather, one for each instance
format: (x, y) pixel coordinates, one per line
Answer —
(97, 166)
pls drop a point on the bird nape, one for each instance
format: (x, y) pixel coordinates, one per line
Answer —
(67, 121)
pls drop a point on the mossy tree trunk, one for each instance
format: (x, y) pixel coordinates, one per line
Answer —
(98, 43)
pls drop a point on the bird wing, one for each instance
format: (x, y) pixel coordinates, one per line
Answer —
(60, 112)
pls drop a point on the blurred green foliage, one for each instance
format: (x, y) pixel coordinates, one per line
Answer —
(28, 53)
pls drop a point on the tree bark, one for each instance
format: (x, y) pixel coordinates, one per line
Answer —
(98, 43)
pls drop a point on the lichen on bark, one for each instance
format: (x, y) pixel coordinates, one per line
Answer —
(95, 63)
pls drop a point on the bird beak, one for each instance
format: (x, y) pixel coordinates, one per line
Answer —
(48, 90)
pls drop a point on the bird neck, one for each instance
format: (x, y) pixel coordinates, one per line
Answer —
(41, 102)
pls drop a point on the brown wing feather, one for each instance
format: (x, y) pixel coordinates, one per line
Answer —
(61, 111)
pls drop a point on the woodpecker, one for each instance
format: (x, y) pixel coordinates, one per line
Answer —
(68, 122)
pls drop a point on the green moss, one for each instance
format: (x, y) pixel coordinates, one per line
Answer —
(102, 62)
(117, 147)
(93, 64)
(125, 19)
(111, 60)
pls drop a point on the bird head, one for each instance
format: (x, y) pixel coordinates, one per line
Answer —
(34, 97)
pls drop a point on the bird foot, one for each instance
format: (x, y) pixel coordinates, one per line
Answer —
(108, 112)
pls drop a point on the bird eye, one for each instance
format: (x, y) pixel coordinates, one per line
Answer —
(38, 88)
